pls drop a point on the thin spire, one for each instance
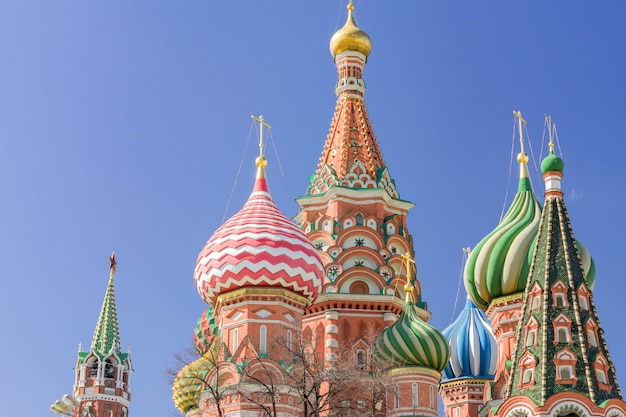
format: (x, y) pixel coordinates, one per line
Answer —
(107, 336)
(551, 131)
(522, 157)
(261, 161)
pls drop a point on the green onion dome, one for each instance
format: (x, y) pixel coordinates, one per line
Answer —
(552, 163)
(589, 266)
(499, 264)
(413, 342)
(190, 380)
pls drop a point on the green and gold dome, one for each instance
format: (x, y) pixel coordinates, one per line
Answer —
(552, 163)
(410, 341)
(350, 37)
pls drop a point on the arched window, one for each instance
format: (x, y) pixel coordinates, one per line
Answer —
(361, 362)
(601, 375)
(235, 342)
(263, 339)
(535, 303)
(582, 300)
(108, 369)
(94, 369)
(528, 376)
(559, 300)
(561, 335)
(591, 336)
(530, 338)
(359, 219)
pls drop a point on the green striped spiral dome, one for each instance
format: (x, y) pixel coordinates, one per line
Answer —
(499, 264)
(412, 341)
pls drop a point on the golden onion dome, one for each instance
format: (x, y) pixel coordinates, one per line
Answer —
(191, 379)
(350, 37)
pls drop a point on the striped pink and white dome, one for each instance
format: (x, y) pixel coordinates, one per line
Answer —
(258, 247)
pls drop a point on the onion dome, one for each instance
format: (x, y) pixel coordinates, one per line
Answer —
(350, 37)
(258, 247)
(499, 264)
(413, 342)
(473, 346)
(189, 382)
(552, 163)
(205, 331)
(589, 266)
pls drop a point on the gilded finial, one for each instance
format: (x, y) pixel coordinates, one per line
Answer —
(350, 6)
(261, 162)
(551, 124)
(112, 263)
(522, 157)
(408, 286)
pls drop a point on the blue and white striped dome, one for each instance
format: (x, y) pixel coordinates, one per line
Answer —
(474, 352)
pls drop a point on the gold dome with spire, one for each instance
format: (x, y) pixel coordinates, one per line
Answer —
(350, 37)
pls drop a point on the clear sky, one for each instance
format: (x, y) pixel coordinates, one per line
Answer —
(123, 124)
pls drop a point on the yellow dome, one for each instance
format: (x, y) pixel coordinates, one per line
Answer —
(350, 37)
(190, 381)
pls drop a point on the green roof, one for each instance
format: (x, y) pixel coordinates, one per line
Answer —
(556, 262)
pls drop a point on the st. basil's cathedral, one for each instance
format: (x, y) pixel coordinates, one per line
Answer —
(298, 309)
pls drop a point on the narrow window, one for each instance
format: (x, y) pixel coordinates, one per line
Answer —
(432, 397)
(396, 396)
(601, 376)
(528, 376)
(359, 219)
(560, 300)
(561, 335)
(535, 303)
(591, 335)
(108, 369)
(235, 339)
(566, 372)
(530, 339)
(582, 300)
(263, 339)
(289, 341)
(360, 360)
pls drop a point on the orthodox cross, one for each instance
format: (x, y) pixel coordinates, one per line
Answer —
(521, 122)
(262, 123)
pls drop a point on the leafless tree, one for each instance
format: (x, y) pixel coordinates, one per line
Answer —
(207, 374)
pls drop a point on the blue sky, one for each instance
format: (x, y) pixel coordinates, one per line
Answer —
(122, 126)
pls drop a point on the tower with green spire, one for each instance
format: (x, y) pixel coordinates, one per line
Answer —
(103, 372)
(561, 364)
